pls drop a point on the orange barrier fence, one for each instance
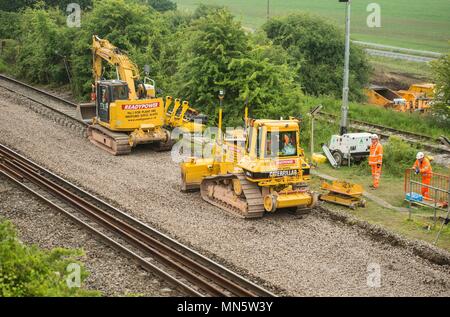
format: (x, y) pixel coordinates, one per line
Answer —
(438, 189)
(433, 193)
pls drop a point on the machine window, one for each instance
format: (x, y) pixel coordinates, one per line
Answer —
(258, 142)
(104, 94)
(120, 93)
(249, 139)
(279, 144)
(288, 144)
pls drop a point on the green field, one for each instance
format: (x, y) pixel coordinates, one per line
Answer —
(422, 25)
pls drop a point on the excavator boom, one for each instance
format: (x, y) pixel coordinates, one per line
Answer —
(103, 50)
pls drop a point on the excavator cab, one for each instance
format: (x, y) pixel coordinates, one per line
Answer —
(107, 92)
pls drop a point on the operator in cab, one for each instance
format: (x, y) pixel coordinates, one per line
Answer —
(288, 148)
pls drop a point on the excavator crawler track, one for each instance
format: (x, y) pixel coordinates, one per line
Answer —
(164, 146)
(218, 191)
(115, 143)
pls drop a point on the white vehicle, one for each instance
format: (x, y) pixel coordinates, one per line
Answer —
(353, 146)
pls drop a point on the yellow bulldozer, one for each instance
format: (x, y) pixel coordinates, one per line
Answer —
(126, 112)
(270, 173)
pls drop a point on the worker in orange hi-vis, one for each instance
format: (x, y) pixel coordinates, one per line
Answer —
(423, 166)
(376, 160)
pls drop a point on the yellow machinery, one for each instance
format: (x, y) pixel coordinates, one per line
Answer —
(126, 112)
(418, 97)
(382, 96)
(181, 115)
(428, 89)
(269, 174)
(343, 193)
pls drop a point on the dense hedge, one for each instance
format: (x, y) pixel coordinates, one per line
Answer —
(441, 71)
(316, 47)
(30, 271)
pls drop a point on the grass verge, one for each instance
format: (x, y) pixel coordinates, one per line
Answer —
(420, 226)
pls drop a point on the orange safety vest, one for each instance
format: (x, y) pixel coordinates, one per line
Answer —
(425, 167)
(376, 154)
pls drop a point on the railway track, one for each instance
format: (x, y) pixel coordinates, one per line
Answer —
(45, 99)
(187, 270)
(417, 139)
(68, 109)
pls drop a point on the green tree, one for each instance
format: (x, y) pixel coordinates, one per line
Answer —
(133, 27)
(45, 40)
(17, 5)
(397, 156)
(203, 10)
(217, 54)
(441, 73)
(318, 47)
(9, 25)
(162, 5)
(29, 271)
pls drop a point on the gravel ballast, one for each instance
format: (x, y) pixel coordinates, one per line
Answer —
(308, 255)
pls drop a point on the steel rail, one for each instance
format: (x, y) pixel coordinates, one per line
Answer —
(415, 138)
(46, 94)
(38, 90)
(181, 259)
(135, 257)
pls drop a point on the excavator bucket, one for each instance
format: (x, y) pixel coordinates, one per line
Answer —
(86, 111)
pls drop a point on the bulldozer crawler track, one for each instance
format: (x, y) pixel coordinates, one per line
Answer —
(251, 196)
(115, 143)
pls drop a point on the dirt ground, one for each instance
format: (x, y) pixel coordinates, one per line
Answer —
(305, 256)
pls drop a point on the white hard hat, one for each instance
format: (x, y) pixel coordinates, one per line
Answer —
(374, 136)
(420, 155)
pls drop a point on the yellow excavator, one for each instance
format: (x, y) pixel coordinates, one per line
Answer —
(125, 111)
(270, 173)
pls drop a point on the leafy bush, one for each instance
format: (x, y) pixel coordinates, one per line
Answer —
(8, 56)
(203, 10)
(318, 48)
(162, 5)
(17, 5)
(45, 40)
(441, 73)
(397, 156)
(9, 25)
(29, 271)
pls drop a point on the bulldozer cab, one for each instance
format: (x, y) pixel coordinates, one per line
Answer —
(269, 139)
(108, 91)
(273, 154)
